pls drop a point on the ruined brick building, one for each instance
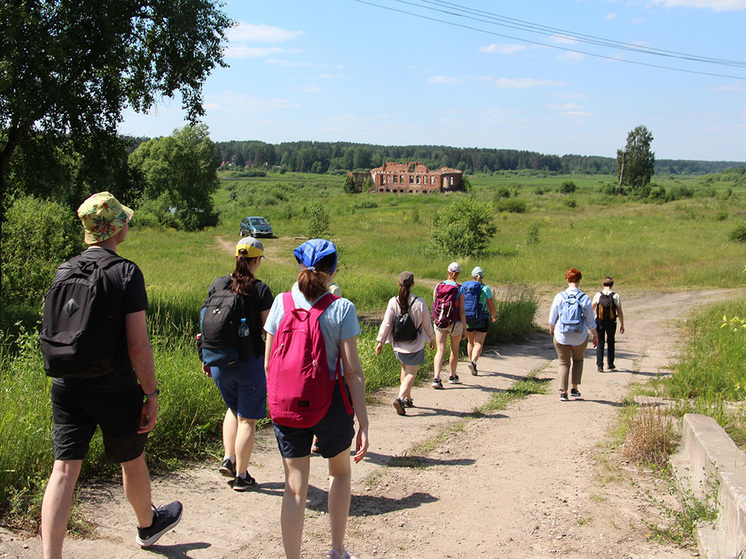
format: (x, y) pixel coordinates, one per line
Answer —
(410, 178)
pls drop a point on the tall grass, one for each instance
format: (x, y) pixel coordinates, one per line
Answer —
(712, 368)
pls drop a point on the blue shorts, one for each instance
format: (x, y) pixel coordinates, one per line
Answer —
(244, 388)
(335, 432)
(416, 358)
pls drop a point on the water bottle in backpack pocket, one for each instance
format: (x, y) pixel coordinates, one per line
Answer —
(220, 321)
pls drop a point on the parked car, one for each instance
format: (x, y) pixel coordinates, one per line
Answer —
(255, 227)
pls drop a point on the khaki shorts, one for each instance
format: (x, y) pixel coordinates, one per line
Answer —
(455, 329)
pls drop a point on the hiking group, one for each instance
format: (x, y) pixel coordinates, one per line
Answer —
(295, 354)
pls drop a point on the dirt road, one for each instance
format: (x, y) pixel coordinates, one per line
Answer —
(533, 481)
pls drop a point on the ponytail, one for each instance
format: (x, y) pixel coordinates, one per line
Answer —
(404, 291)
(312, 283)
(242, 280)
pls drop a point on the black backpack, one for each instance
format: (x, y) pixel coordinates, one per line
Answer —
(606, 308)
(77, 338)
(220, 319)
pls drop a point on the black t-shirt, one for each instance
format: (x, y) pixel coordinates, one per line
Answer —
(124, 286)
(260, 300)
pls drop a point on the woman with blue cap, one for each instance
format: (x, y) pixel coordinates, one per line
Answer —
(335, 431)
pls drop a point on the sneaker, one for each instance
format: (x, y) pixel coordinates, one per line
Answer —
(611, 368)
(228, 468)
(575, 393)
(334, 554)
(600, 369)
(563, 397)
(315, 448)
(437, 384)
(454, 379)
(408, 403)
(473, 368)
(164, 519)
(244, 484)
(399, 406)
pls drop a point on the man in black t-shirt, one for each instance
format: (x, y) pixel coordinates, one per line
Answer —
(114, 402)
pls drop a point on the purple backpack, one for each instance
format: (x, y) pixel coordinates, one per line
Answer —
(299, 387)
(445, 305)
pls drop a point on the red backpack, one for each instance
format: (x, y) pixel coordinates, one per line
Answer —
(445, 305)
(299, 388)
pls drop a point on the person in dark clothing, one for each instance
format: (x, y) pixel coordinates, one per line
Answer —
(122, 402)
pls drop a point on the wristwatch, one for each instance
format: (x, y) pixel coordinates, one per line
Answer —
(155, 393)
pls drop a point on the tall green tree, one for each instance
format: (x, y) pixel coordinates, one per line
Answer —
(636, 162)
(179, 175)
(68, 70)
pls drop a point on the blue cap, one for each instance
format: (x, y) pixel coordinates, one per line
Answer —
(310, 253)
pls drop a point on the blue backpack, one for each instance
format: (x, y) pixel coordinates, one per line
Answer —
(571, 317)
(474, 311)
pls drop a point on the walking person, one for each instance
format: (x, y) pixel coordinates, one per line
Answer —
(117, 391)
(243, 386)
(335, 429)
(479, 307)
(406, 326)
(450, 323)
(607, 306)
(570, 320)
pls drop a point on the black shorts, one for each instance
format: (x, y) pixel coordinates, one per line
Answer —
(77, 413)
(478, 326)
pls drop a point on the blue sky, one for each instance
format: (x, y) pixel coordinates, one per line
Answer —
(429, 72)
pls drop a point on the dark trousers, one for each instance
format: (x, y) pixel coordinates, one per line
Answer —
(606, 333)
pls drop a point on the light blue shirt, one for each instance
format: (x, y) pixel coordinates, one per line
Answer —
(572, 338)
(338, 322)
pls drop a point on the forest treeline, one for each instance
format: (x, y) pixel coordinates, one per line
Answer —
(340, 157)
(330, 157)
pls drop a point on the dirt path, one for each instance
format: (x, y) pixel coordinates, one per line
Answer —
(529, 482)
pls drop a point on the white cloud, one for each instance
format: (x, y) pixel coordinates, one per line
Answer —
(570, 56)
(250, 33)
(443, 79)
(735, 86)
(523, 83)
(312, 89)
(609, 17)
(286, 63)
(238, 103)
(714, 5)
(504, 48)
(563, 40)
(332, 76)
(244, 51)
(565, 107)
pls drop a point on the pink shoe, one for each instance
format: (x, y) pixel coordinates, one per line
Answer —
(334, 554)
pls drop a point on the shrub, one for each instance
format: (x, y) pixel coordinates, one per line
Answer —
(502, 192)
(319, 226)
(532, 236)
(738, 234)
(567, 187)
(462, 229)
(571, 203)
(512, 206)
(37, 236)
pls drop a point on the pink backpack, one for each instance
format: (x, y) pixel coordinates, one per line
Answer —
(299, 388)
(445, 305)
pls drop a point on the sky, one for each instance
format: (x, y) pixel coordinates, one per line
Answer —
(552, 76)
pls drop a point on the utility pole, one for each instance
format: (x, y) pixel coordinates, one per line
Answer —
(621, 174)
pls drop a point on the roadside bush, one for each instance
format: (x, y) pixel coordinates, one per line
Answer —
(738, 234)
(37, 237)
(462, 229)
(511, 206)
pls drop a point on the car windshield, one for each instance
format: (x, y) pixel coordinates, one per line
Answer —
(258, 221)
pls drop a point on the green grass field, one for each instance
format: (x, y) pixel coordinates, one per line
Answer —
(680, 244)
